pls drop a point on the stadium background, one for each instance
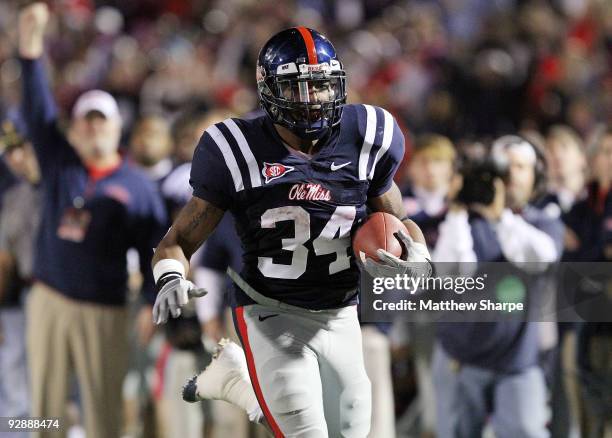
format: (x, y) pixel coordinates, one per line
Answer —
(470, 70)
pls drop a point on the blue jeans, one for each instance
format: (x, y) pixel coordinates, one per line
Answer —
(466, 396)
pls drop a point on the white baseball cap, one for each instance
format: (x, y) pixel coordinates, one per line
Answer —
(96, 100)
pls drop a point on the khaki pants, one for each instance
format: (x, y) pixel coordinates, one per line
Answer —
(377, 361)
(65, 335)
(180, 419)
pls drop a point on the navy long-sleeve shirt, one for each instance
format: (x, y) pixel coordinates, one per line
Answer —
(89, 218)
(506, 346)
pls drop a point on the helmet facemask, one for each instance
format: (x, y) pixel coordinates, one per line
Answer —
(307, 103)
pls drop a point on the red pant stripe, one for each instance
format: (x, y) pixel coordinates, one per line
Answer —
(242, 327)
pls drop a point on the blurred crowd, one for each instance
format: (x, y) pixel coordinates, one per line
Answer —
(469, 81)
(460, 68)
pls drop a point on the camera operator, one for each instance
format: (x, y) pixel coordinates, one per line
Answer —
(490, 369)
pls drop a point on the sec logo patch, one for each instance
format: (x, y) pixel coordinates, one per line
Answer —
(272, 171)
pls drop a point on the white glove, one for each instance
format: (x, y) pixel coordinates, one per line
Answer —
(173, 295)
(417, 260)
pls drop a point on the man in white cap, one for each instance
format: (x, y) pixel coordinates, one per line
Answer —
(95, 207)
(96, 128)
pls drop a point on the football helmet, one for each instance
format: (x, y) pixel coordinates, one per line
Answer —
(301, 82)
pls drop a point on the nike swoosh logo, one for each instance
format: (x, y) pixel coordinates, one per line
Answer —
(340, 166)
(263, 318)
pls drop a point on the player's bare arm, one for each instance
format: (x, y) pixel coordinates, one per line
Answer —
(391, 202)
(196, 221)
(415, 260)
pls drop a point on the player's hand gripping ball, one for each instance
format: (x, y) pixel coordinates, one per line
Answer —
(385, 248)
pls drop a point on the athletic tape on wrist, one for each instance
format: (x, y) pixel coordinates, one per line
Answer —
(167, 265)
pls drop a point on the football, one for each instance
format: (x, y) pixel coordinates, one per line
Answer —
(377, 232)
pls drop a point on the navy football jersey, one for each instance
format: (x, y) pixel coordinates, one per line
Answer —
(295, 215)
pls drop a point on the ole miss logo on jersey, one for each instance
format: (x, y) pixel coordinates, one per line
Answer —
(272, 171)
(309, 192)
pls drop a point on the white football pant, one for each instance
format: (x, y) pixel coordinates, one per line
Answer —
(307, 370)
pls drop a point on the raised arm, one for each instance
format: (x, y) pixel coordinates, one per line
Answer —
(196, 221)
(38, 106)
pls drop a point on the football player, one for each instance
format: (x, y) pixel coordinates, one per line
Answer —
(297, 181)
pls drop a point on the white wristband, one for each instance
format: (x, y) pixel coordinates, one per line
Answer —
(167, 265)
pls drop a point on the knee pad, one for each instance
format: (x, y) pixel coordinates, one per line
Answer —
(290, 394)
(293, 403)
(356, 409)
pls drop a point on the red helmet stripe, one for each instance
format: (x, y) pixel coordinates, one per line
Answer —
(310, 45)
